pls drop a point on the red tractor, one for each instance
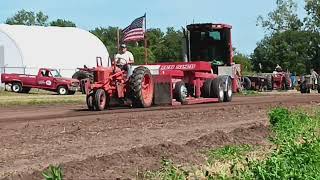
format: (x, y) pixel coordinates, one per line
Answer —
(271, 81)
(207, 75)
(281, 81)
(113, 82)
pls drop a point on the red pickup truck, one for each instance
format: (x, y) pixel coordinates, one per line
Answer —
(47, 79)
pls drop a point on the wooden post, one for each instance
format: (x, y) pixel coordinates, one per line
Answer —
(145, 40)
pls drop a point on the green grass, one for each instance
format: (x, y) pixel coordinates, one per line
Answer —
(168, 172)
(32, 92)
(8, 99)
(53, 173)
(228, 153)
(295, 154)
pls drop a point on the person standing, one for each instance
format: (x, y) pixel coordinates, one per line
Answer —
(314, 76)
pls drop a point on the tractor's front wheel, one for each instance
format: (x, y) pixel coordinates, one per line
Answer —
(141, 87)
(90, 100)
(100, 100)
(246, 83)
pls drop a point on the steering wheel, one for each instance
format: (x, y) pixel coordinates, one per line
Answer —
(119, 60)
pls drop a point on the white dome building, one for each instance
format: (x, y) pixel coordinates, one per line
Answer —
(24, 49)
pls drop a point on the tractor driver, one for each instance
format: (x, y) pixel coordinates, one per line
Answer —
(277, 69)
(124, 58)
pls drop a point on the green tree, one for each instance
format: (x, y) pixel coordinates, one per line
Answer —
(167, 47)
(297, 51)
(283, 18)
(139, 55)
(109, 38)
(156, 42)
(312, 20)
(173, 42)
(28, 18)
(62, 23)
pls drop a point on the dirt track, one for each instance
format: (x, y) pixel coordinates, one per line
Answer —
(119, 143)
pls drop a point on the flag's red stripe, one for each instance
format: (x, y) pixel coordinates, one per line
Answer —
(133, 38)
(133, 34)
(137, 36)
(134, 30)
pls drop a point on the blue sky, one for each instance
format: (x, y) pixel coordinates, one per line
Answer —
(88, 14)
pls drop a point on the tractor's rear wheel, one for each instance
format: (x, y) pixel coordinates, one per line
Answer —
(288, 83)
(269, 82)
(303, 87)
(90, 101)
(218, 88)
(207, 89)
(181, 92)
(246, 83)
(82, 75)
(141, 87)
(100, 100)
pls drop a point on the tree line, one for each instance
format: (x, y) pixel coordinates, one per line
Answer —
(290, 41)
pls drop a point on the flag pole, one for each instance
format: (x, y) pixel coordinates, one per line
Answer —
(145, 40)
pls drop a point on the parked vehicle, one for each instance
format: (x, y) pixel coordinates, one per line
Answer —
(308, 83)
(46, 79)
(271, 81)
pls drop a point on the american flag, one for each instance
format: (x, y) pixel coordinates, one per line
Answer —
(135, 31)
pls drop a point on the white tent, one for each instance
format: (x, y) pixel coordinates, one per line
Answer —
(24, 49)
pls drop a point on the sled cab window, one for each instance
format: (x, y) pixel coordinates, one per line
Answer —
(210, 45)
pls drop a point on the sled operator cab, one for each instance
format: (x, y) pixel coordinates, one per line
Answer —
(211, 43)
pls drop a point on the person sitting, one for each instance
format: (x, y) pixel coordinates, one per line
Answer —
(124, 57)
(278, 68)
